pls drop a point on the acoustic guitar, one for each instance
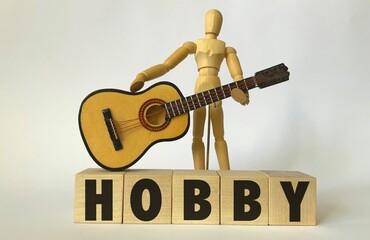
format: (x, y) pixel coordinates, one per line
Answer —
(119, 127)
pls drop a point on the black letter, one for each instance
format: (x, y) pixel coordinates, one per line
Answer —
(105, 199)
(240, 200)
(137, 197)
(190, 199)
(294, 198)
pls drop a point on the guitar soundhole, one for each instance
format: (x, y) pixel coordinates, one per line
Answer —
(153, 116)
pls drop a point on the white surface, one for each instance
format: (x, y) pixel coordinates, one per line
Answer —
(53, 53)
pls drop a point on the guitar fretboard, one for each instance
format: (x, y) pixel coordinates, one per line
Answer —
(187, 104)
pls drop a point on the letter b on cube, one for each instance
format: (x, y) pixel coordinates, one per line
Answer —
(195, 197)
(244, 197)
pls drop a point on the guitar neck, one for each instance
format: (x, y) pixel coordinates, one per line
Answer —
(261, 79)
(190, 103)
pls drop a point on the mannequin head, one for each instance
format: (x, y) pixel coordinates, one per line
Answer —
(213, 23)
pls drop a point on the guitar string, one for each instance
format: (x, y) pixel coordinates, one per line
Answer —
(181, 105)
(124, 125)
(136, 122)
(130, 127)
(221, 91)
(242, 84)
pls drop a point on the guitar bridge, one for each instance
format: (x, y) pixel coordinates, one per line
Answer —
(111, 129)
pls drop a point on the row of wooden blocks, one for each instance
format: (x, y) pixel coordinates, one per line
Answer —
(195, 197)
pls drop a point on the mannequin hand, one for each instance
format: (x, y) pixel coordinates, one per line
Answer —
(239, 96)
(138, 83)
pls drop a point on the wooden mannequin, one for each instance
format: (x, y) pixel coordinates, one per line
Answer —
(209, 54)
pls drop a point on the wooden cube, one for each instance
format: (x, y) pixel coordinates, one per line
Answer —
(98, 196)
(292, 198)
(244, 197)
(195, 197)
(148, 196)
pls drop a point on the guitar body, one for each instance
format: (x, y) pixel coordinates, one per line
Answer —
(118, 127)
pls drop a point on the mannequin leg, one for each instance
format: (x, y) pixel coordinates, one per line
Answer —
(198, 145)
(217, 118)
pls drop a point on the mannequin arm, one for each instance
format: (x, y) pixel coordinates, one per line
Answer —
(159, 70)
(236, 72)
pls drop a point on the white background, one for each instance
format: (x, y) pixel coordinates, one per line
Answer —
(53, 53)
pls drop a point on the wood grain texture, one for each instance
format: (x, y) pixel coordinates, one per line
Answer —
(80, 199)
(149, 198)
(195, 197)
(211, 178)
(227, 199)
(280, 212)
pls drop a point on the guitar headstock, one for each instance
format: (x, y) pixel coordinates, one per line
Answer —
(272, 76)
